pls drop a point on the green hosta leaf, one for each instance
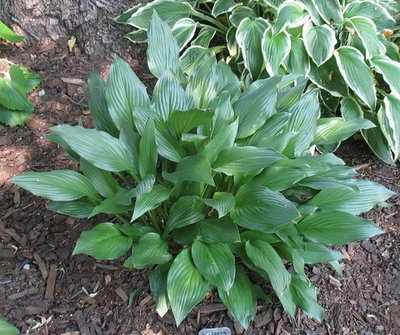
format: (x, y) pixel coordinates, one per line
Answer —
(104, 241)
(389, 120)
(169, 12)
(163, 50)
(144, 186)
(98, 104)
(216, 263)
(204, 37)
(248, 36)
(290, 14)
(304, 296)
(279, 178)
(275, 49)
(183, 31)
(185, 211)
(266, 258)
(319, 42)
(256, 105)
(245, 160)
(77, 208)
(330, 11)
(336, 228)
(328, 77)
(158, 288)
(241, 299)
(5, 327)
(191, 168)
(97, 147)
(148, 151)
(130, 139)
(135, 231)
(9, 35)
(218, 231)
(223, 6)
(350, 109)
(169, 95)
(183, 121)
(259, 208)
(366, 30)
(317, 253)
(102, 181)
(389, 69)
(298, 57)
(148, 201)
(352, 201)
(186, 287)
(137, 36)
(13, 96)
(374, 11)
(14, 118)
(168, 145)
(223, 202)
(335, 129)
(151, 249)
(57, 185)
(239, 14)
(124, 92)
(119, 203)
(356, 74)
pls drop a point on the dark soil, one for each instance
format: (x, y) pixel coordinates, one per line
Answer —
(44, 290)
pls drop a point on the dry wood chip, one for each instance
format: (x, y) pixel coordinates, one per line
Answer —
(10, 232)
(51, 281)
(73, 81)
(335, 282)
(23, 293)
(145, 300)
(207, 309)
(107, 279)
(6, 253)
(106, 267)
(122, 294)
(71, 333)
(42, 266)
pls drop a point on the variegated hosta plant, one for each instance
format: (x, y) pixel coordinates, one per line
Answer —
(209, 181)
(344, 47)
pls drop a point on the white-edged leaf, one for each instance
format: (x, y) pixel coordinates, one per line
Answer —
(350, 109)
(223, 6)
(298, 60)
(275, 49)
(291, 15)
(356, 74)
(330, 10)
(389, 120)
(389, 69)
(183, 31)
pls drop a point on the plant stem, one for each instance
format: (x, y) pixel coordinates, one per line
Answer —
(121, 218)
(154, 221)
(134, 176)
(126, 181)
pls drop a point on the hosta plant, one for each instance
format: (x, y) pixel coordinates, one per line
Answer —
(210, 182)
(15, 107)
(343, 47)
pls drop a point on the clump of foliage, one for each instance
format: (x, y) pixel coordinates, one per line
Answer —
(344, 47)
(209, 181)
(15, 107)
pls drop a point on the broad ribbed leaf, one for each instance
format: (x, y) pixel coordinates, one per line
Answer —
(163, 50)
(266, 258)
(298, 57)
(256, 105)
(149, 201)
(389, 69)
(204, 37)
(13, 97)
(319, 42)
(169, 11)
(98, 104)
(185, 211)
(137, 36)
(7, 34)
(150, 249)
(168, 145)
(119, 203)
(378, 14)
(249, 35)
(317, 253)
(290, 14)
(330, 10)
(335, 129)
(350, 109)
(57, 185)
(223, 6)
(389, 120)
(124, 92)
(76, 208)
(97, 147)
(191, 168)
(183, 31)
(352, 201)
(216, 263)
(304, 295)
(241, 299)
(14, 118)
(5, 327)
(218, 231)
(223, 202)
(336, 228)
(275, 49)
(245, 160)
(186, 287)
(259, 208)
(366, 30)
(183, 121)
(104, 241)
(144, 186)
(279, 178)
(148, 151)
(102, 181)
(158, 288)
(240, 13)
(356, 74)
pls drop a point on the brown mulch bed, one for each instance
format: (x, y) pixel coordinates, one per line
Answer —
(44, 290)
